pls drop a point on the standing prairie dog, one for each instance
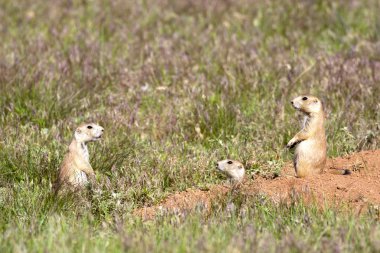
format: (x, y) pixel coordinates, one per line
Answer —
(233, 169)
(75, 167)
(310, 153)
(310, 142)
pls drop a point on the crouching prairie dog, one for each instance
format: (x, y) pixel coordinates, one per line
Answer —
(75, 167)
(310, 143)
(234, 170)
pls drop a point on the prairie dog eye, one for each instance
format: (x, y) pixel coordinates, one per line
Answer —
(229, 162)
(89, 127)
(304, 98)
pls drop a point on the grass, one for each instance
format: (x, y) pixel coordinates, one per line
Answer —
(177, 86)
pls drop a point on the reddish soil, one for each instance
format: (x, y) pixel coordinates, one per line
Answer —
(358, 190)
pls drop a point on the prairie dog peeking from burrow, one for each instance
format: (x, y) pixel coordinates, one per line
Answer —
(234, 170)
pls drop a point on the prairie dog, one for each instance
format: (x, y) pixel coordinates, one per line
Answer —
(310, 142)
(310, 153)
(75, 167)
(233, 169)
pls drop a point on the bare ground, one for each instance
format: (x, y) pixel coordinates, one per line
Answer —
(357, 191)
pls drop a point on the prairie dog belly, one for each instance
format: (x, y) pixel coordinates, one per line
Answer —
(310, 153)
(305, 147)
(309, 149)
(80, 178)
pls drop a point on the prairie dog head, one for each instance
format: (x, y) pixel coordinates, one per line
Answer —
(88, 132)
(307, 104)
(233, 169)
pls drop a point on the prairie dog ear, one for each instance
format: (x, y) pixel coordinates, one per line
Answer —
(240, 166)
(78, 131)
(315, 100)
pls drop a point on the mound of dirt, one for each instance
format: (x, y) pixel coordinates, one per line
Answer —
(358, 190)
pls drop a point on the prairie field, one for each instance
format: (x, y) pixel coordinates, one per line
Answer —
(179, 85)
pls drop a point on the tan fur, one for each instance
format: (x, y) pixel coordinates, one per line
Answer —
(233, 169)
(310, 154)
(75, 167)
(310, 142)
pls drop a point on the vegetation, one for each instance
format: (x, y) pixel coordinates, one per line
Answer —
(179, 85)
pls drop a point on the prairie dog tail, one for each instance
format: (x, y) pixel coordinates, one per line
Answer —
(337, 171)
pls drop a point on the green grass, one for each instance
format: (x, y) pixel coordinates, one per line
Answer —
(178, 85)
